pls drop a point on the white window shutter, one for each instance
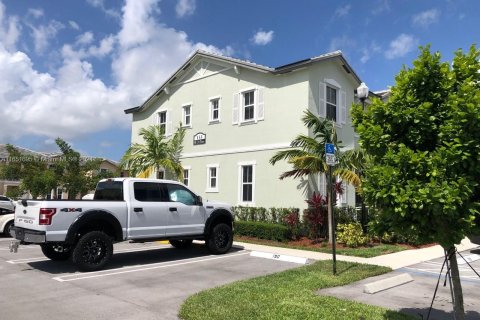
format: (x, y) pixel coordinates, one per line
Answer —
(322, 184)
(343, 107)
(236, 109)
(168, 129)
(322, 108)
(210, 111)
(259, 104)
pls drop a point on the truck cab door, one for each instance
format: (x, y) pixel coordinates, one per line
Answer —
(185, 215)
(148, 210)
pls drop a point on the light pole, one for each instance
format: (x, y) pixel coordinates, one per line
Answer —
(362, 94)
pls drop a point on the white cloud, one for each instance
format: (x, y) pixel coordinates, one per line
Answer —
(74, 25)
(426, 18)
(100, 4)
(401, 45)
(36, 13)
(71, 101)
(381, 6)
(185, 7)
(342, 11)
(367, 52)
(42, 34)
(10, 29)
(262, 38)
(341, 43)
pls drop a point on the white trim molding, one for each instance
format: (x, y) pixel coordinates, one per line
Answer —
(266, 147)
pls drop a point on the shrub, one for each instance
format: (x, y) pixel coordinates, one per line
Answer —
(262, 230)
(292, 221)
(351, 235)
(345, 215)
(272, 215)
(315, 217)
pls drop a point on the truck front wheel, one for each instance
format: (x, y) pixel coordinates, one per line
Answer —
(220, 239)
(93, 251)
(56, 252)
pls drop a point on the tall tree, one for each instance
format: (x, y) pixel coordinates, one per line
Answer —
(425, 153)
(156, 152)
(76, 172)
(307, 155)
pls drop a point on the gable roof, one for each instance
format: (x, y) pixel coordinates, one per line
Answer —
(249, 65)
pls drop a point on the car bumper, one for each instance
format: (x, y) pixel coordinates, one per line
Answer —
(27, 235)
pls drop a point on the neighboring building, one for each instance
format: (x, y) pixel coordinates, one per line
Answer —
(6, 185)
(238, 114)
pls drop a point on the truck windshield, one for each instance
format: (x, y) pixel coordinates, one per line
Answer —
(109, 190)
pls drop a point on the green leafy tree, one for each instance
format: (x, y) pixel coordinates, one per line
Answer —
(156, 153)
(425, 153)
(76, 172)
(307, 155)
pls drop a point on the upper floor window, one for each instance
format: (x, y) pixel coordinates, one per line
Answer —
(214, 109)
(187, 116)
(248, 105)
(331, 103)
(162, 121)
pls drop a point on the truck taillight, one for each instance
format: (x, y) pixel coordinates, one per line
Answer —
(45, 217)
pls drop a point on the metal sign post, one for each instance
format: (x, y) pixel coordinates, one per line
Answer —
(330, 159)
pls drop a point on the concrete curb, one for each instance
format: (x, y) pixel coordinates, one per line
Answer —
(387, 283)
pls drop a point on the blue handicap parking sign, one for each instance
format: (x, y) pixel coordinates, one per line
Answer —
(329, 148)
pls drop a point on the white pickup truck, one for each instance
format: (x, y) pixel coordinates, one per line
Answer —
(123, 209)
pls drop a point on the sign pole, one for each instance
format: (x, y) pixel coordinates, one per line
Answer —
(334, 237)
(331, 160)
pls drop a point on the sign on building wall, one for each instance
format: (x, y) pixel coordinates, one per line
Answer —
(199, 138)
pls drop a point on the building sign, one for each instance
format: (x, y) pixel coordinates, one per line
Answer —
(199, 138)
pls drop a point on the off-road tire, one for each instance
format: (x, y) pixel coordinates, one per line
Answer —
(93, 251)
(56, 252)
(220, 239)
(181, 244)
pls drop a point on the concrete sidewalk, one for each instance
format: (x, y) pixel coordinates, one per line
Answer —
(393, 260)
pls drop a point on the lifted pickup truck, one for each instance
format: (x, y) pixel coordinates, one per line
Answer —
(138, 210)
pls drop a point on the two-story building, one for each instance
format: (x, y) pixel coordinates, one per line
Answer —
(238, 114)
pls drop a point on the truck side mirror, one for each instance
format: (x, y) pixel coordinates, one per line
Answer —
(199, 201)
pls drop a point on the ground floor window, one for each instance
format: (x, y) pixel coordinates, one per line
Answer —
(161, 174)
(186, 176)
(247, 182)
(212, 178)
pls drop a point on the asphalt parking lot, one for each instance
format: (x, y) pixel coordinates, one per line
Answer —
(415, 297)
(143, 281)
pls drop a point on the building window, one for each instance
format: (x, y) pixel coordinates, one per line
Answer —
(186, 177)
(331, 103)
(103, 170)
(162, 121)
(212, 178)
(248, 107)
(214, 109)
(161, 174)
(247, 183)
(59, 193)
(187, 116)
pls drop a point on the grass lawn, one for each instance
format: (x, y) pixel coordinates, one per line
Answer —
(364, 252)
(288, 295)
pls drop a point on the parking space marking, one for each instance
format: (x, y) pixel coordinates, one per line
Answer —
(38, 259)
(152, 266)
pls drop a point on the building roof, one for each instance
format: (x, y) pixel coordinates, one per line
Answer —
(4, 154)
(249, 65)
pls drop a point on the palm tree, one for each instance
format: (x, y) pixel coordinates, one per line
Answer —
(156, 153)
(307, 155)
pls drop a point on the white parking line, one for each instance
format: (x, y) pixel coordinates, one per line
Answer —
(38, 259)
(160, 265)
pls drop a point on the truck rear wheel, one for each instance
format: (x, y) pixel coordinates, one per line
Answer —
(93, 251)
(220, 239)
(56, 252)
(181, 244)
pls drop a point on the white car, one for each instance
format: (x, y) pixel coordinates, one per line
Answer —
(6, 222)
(6, 204)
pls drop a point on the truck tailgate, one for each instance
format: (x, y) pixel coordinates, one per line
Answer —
(28, 216)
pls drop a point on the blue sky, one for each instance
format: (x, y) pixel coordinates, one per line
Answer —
(69, 68)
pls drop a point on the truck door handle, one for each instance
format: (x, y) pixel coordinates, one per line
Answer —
(137, 209)
(172, 209)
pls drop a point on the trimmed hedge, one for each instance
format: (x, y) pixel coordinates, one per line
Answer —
(262, 230)
(270, 215)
